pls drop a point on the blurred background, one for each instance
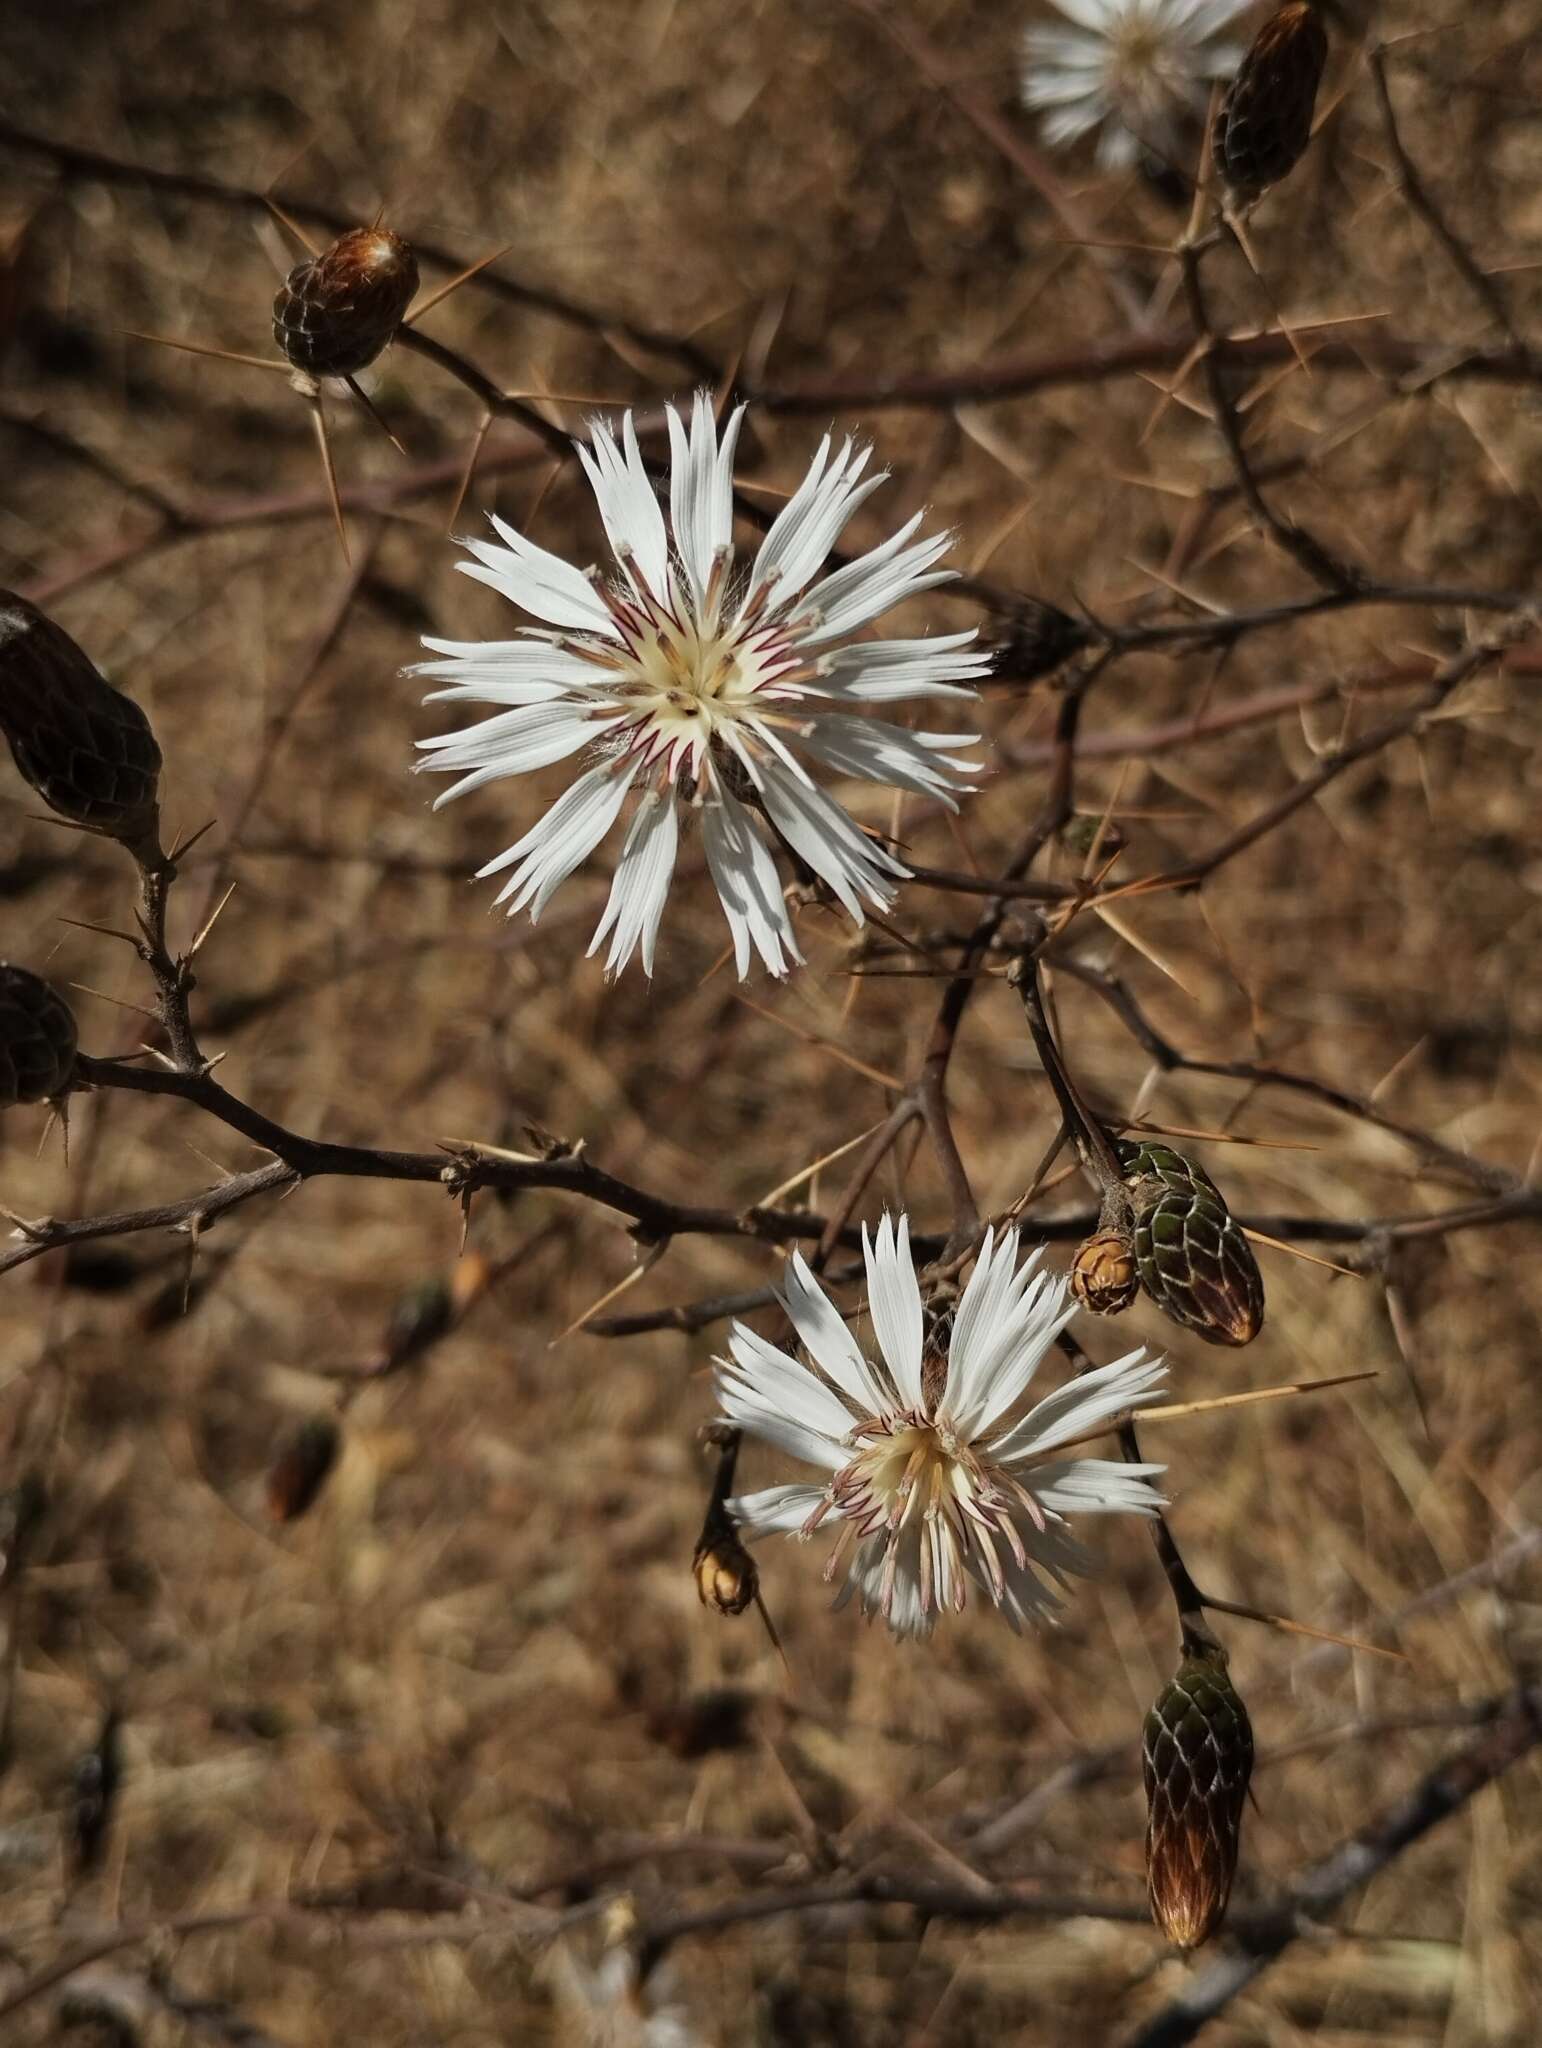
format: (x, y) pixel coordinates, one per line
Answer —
(472, 1687)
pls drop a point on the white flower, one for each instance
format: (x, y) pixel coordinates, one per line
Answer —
(1130, 67)
(928, 1474)
(688, 685)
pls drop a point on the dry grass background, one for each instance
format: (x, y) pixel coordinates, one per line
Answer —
(479, 1659)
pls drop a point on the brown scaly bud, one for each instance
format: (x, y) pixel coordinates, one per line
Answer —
(1192, 1257)
(1265, 122)
(727, 1577)
(302, 1467)
(1103, 1275)
(1033, 639)
(431, 1309)
(37, 1038)
(1197, 1758)
(84, 747)
(335, 313)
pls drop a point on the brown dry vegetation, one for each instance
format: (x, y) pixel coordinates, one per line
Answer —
(477, 1672)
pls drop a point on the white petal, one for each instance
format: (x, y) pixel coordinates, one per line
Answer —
(633, 521)
(876, 750)
(816, 827)
(744, 875)
(774, 1511)
(515, 743)
(701, 505)
(1095, 1486)
(824, 1334)
(641, 883)
(538, 582)
(886, 671)
(907, 1616)
(872, 583)
(995, 1353)
(785, 1385)
(894, 1304)
(1082, 1404)
(811, 521)
(567, 834)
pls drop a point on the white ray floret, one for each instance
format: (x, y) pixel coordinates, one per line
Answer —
(1130, 68)
(688, 686)
(925, 1472)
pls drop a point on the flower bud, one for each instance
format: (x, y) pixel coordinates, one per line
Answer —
(726, 1575)
(1103, 1275)
(1197, 1758)
(1192, 1257)
(1033, 639)
(84, 747)
(335, 313)
(1265, 122)
(37, 1038)
(302, 1467)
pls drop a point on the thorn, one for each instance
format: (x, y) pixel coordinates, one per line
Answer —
(208, 925)
(471, 462)
(186, 845)
(286, 221)
(198, 348)
(436, 297)
(370, 407)
(105, 931)
(319, 419)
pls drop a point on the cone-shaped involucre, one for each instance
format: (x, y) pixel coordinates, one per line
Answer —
(335, 313)
(1134, 69)
(37, 1038)
(924, 1475)
(689, 688)
(1193, 1259)
(84, 747)
(1265, 122)
(1197, 1758)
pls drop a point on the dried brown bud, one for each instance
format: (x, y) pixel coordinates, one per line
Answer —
(1033, 639)
(1103, 1276)
(84, 747)
(1197, 1758)
(301, 1469)
(726, 1574)
(334, 314)
(37, 1038)
(1192, 1257)
(1265, 122)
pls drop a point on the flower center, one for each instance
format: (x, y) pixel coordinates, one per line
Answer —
(926, 1497)
(682, 680)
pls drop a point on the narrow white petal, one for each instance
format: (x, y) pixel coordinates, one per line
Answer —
(633, 522)
(876, 750)
(538, 582)
(838, 851)
(1095, 1486)
(874, 581)
(786, 1385)
(829, 1342)
(744, 875)
(545, 734)
(1080, 1405)
(567, 834)
(640, 885)
(888, 671)
(808, 525)
(894, 1304)
(774, 1511)
(907, 1615)
(701, 489)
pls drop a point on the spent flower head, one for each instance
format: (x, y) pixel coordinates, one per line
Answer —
(928, 1476)
(691, 686)
(1130, 68)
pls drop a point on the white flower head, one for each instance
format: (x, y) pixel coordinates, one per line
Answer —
(931, 1480)
(688, 684)
(1129, 67)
